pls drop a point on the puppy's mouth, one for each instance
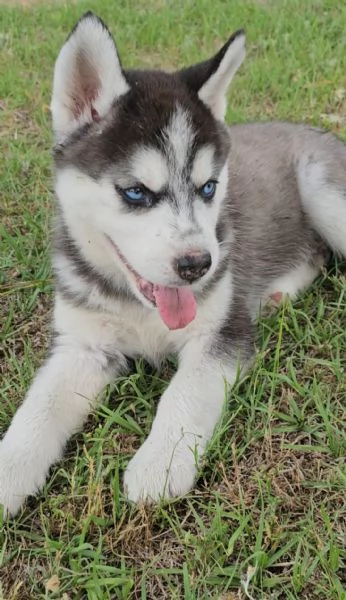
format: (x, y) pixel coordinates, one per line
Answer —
(176, 305)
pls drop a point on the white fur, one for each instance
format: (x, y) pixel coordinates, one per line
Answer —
(203, 166)
(179, 136)
(56, 406)
(88, 62)
(293, 282)
(67, 386)
(322, 200)
(167, 462)
(213, 92)
(149, 167)
(130, 329)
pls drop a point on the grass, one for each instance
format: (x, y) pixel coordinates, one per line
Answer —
(267, 518)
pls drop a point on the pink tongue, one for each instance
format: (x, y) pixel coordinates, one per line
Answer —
(177, 306)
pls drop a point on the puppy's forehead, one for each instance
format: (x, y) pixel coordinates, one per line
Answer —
(179, 156)
(158, 112)
(179, 136)
(155, 166)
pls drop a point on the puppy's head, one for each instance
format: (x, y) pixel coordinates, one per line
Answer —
(141, 165)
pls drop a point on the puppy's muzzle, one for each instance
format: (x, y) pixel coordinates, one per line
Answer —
(193, 266)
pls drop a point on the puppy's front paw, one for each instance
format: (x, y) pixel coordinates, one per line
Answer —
(17, 481)
(10, 499)
(160, 471)
(10, 502)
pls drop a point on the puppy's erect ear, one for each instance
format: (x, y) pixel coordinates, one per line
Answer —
(88, 76)
(210, 79)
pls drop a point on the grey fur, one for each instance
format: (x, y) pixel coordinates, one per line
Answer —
(273, 232)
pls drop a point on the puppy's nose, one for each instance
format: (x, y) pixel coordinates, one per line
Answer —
(193, 266)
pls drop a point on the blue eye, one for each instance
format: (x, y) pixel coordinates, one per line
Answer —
(208, 190)
(135, 195)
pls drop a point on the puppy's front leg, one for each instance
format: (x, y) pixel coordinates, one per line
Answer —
(58, 402)
(165, 465)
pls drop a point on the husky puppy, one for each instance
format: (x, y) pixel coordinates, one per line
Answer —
(172, 230)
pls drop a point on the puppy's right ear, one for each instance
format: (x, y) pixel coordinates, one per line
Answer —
(88, 76)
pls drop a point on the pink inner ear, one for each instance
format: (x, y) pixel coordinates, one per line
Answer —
(86, 87)
(95, 115)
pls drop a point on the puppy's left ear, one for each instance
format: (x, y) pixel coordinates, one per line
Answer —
(210, 79)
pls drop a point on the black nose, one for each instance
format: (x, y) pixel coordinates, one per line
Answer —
(193, 266)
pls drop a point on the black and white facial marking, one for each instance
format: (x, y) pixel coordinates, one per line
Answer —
(141, 160)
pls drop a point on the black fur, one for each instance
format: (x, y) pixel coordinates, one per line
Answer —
(140, 117)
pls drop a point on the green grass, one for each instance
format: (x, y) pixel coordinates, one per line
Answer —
(267, 518)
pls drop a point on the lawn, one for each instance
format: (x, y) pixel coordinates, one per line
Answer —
(267, 518)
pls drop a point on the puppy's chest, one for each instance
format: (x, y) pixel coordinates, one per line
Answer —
(136, 331)
(140, 332)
